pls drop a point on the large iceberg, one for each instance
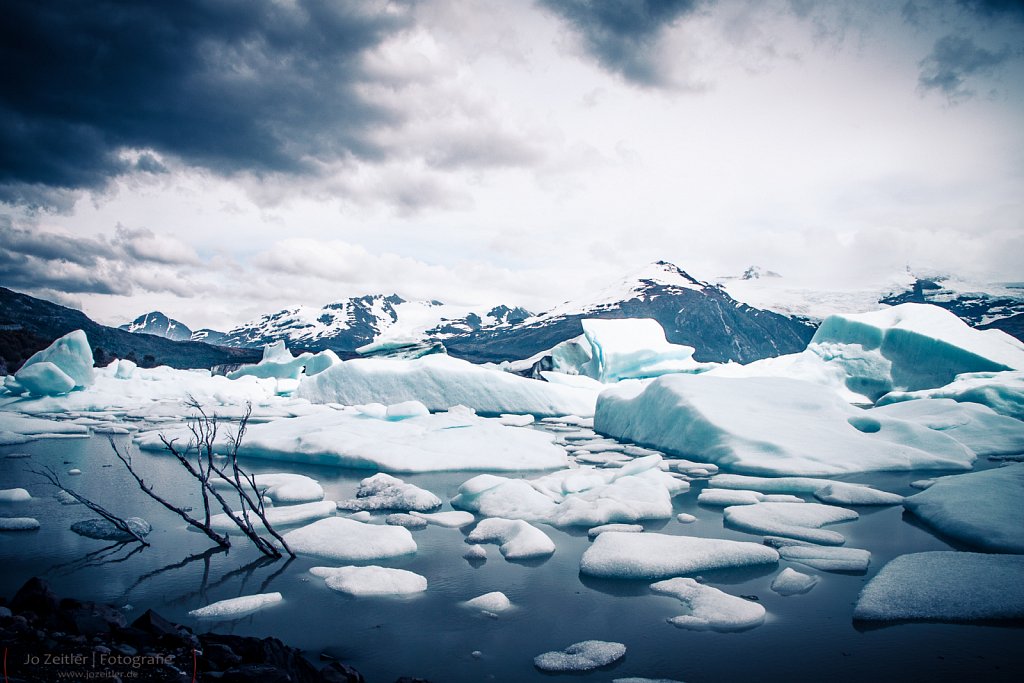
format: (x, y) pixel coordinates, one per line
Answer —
(441, 382)
(767, 425)
(64, 365)
(632, 348)
(277, 362)
(981, 509)
(1003, 392)
(976, 426)
(945, 586)
(926, 345)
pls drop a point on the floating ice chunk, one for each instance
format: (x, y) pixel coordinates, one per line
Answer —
(18, 523)
(802, 522)
(688, 467)
(657, 556)
(596, 531)
(285, 515)
(70, 355)
(686, 518)
(791, 582)
(384, 492)
(981, 509)
(490, 602)
(14, 495)
(429, 443)
(453, 519)
(510, 420)
(518, 539)
(825, 558)
(236, 607)
(945, 586)
(1003, 392)
(284, 488)
(583, 656)
(406, 409)
(770, 426)
(727, 497)
(45, 379)
(125, 369)
(74, 470)
(440, 382)
(36, 428)
(277, 363)
(345, 540)
(577, 381)
(104, 529)
(907, 333)
(406, 520)
(638, 490)
(371, 580)
(475, 552)
(842, 493)
(321, 361)
(923, 483)
(632, 348)
(361, 516)
(976, 426)
(710, 608)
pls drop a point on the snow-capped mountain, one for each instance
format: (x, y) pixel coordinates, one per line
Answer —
(692, 312)
(156, 323)
(350, 324)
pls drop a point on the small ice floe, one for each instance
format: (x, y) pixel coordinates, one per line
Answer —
(494, 602)
(371, 580)
(74, 470)
(104, 529)
(404, 519)
(285, 515)
(691, 468)
(284, 488)
(791, 582)
(981, 509)
(583, 656)
(475, 552)
(656, 556)
(65, 498)
(710, 608)
(345, 540)
(453, 519)
(510, 420)
(361, 516)
(825, 490)
(236, 607)
(686, 518)
(945, 586)
(726, 497)
(14, 495)
(801, 522)
(596, 531)
(923, 483)
(18, 523)
(825, 558)
(518, 540)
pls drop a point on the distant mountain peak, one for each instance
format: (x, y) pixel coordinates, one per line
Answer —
(757, 272)
(158, 324)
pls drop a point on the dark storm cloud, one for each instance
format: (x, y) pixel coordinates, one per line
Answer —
(953, 60)
(620, 34)
(995, 9)
(228, 85)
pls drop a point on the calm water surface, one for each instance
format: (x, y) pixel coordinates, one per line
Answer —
(808, 637)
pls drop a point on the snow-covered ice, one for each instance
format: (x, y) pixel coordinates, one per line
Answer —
(371, 580)
(518, 540)
(440, 382)
(686, 518)
(727, 497)
(45, 379)
(104, 529)
(14, 495)
(1003, 392)
(236, 607)
(406, 520)
(825, 490)
(981, 509)
(583, 656)
(976, 426)
(710, 608)
(16, 428)
(825, 558)
(802, 522)
(346, 540)
(584, 496)
(67, 360)
(494, 602)
(384, 492)
(277, 363)
(945, 586)
(475, 552)
(631, 348)
(284, 488)
(658, 556)
(596, 531)
(791, 582)
(18, 523)
(769, 426)
(281, 516)
(452, 519)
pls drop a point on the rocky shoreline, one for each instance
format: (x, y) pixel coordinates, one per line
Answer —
(46, 638)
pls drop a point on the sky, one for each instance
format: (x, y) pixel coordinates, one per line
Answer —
(221, 159)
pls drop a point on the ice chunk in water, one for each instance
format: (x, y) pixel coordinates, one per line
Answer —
(727, 497)
(490, 602)
(45, 379)
(384, 492)
(236, 607)
(346, 540)
(285, 515)
(453, 520)
(802, 522)
(70, 355)
(105, 530)
(710, 608)
(791, 582)
(596, 531)
(825, 558)
(18, 523)
(656, 556)
(371, 580)
(945, 586)
(14, 495)
(583, 656)
(519, 540)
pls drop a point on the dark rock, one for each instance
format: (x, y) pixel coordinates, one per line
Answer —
(218, 657)
(256, 673)
(336, 672)
(407, 679)
(91, 618)
(35, 596)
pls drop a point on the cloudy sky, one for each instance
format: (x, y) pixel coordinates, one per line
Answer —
(218, 159)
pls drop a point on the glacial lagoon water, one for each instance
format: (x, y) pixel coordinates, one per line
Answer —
(807, 637)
